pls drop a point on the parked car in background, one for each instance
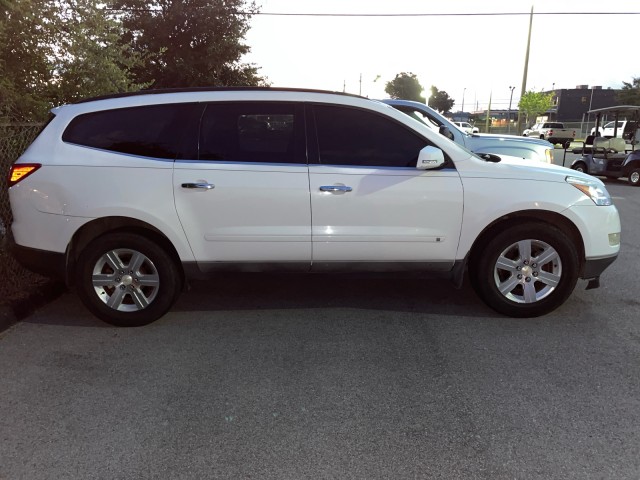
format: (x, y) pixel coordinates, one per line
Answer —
(130, 196)
(554, 132)
(480, 143)
(625, 129)
(607, 130)
(466, 127)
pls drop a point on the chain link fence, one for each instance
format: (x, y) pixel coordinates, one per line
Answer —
(582, 128)
(15, 281)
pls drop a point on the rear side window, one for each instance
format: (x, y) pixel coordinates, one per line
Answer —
(252, 132)
(348, 136)
(149, 131)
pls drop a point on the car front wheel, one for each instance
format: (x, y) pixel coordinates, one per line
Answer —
(580, 167)
(634, 177)
(526, 271)
(127, 280)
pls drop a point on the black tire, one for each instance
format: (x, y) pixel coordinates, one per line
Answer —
(549, 284)
(634, 177)
(123, 297)
(580, 167)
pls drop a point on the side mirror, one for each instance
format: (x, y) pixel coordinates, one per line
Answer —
(430, 158)
(489, 157)
(446, 132)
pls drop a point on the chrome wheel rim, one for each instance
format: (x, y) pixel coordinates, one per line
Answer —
(579, 168)
(125, 280)
(635, 177)
(528, 271)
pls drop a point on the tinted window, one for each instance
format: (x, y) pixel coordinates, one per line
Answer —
(149, 131)
(252, 132)
(418, 115)
(348, 136)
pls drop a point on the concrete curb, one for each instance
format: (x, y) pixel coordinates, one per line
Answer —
(18, 310)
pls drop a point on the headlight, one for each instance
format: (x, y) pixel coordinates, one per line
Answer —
(592, 189)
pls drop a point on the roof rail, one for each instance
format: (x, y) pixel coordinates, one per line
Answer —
(159, 91)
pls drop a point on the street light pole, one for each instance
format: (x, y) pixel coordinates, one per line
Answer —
(509, 114)
(464, 90)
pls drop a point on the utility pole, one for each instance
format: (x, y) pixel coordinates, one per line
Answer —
(509, 113)
(526, 68)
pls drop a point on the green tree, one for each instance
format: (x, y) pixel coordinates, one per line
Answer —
(190, 43)
(440, 100)
(26, 43)
(534, 103)
(630, 93)
(54, 52)
(405, 86)
(95, 60)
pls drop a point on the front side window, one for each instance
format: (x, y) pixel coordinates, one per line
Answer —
(252, 132)
(149, 131)
(348, 136)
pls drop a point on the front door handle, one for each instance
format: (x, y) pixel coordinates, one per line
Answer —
(335, 188)
(204, 186)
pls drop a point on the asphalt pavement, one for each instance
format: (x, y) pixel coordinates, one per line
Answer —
(282, 377)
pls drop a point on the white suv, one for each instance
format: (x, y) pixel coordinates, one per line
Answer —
(129, 196)
(466, 127)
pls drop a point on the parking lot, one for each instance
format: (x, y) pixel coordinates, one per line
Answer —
(332, 377)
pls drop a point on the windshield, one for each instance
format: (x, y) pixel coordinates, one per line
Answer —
(435, 124)
(430, 122)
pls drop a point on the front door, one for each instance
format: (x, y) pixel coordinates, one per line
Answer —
(371, 207)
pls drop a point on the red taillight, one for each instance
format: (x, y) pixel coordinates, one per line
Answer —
(20, 171)
(549, 133)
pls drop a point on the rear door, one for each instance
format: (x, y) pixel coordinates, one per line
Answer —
(371, 207)
(243, 195)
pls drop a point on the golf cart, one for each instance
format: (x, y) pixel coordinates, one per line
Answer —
(612, 157)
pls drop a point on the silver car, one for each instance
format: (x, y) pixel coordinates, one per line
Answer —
(511, 145)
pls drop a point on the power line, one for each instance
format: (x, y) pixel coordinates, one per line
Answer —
(466, 14)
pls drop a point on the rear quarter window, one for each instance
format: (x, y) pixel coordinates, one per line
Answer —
(148, 131)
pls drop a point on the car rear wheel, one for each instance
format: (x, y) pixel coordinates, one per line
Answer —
(526, 271)
(127, 280)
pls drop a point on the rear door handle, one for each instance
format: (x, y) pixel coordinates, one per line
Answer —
(204, 186)
(335, 188)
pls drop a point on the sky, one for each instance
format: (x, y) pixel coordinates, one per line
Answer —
(472, 58)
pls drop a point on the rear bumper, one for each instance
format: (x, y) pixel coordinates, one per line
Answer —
(49, 264)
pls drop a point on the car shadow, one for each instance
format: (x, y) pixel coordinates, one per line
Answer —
(383, 292)
(250, 292)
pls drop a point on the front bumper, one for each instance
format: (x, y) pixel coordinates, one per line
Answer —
(593, 267)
